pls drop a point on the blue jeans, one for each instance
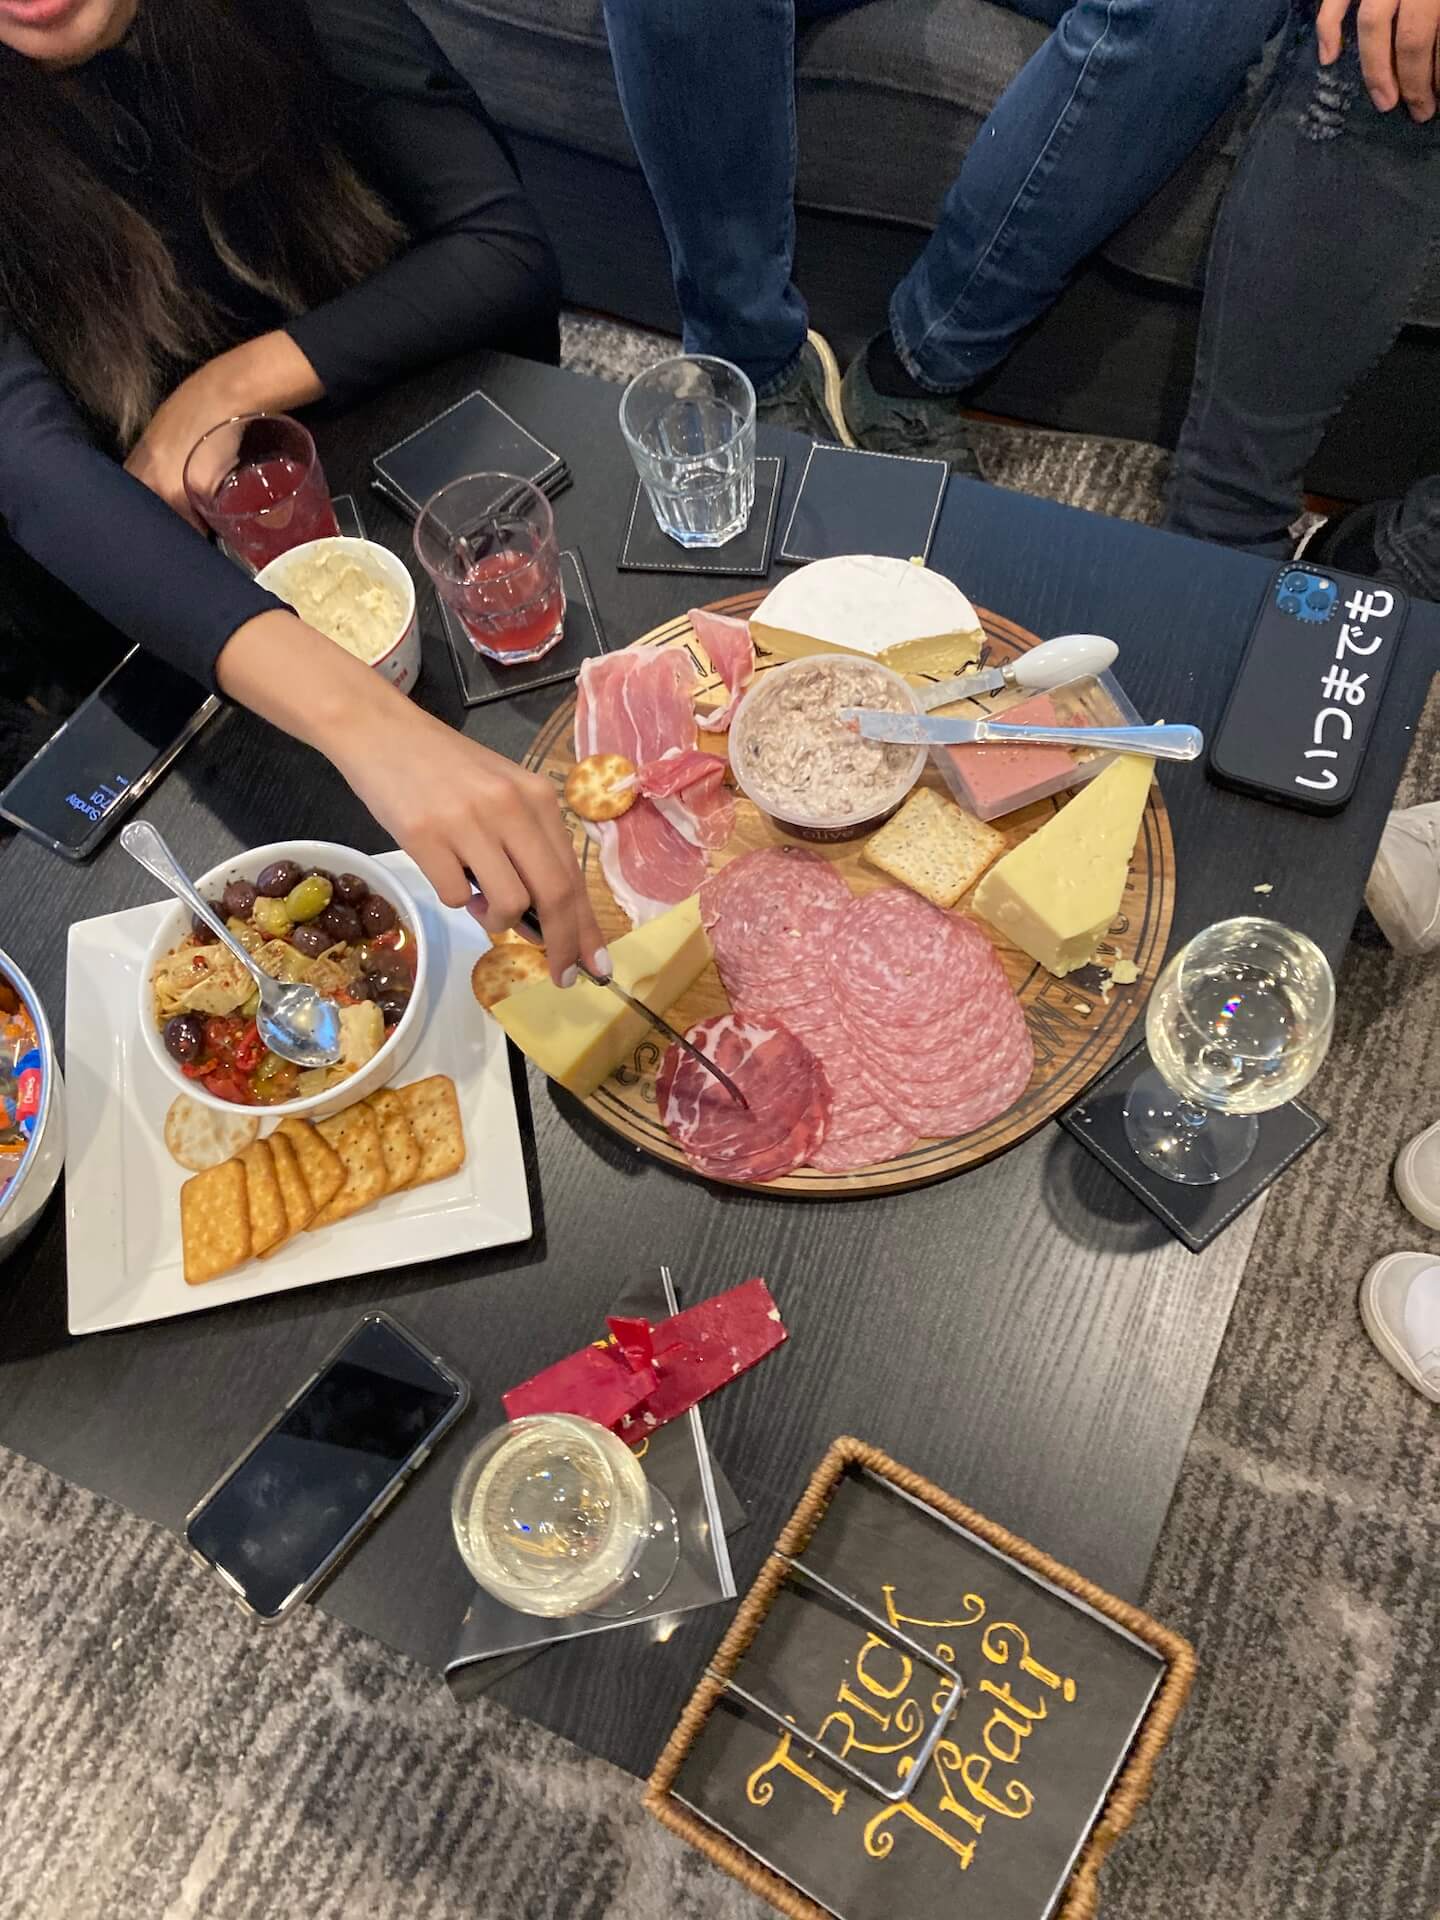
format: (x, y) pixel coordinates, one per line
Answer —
(1320, 244)
(1096, 120)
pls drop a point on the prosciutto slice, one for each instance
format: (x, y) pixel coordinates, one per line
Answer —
(731, 652)
(640, 704)
(688, 787)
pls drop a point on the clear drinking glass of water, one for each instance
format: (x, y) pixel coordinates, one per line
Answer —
(690, 425)
(554, 1515)
(1239, 1022)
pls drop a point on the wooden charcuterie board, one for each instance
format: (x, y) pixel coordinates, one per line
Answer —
(1076, 1030)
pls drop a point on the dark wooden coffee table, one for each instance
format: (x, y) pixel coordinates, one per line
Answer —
(1026, 1335)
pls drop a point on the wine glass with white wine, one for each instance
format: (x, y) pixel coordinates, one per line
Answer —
(554, 1515)
(1238, 1023)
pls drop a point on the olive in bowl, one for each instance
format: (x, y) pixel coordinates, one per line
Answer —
(212, 1052)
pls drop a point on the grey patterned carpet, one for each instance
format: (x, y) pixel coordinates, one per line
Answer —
(159, 1760)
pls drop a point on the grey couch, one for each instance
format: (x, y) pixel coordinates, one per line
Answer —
(889, 97)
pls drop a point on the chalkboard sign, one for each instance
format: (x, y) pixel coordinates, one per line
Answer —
(819, 1711)
(1303, 706)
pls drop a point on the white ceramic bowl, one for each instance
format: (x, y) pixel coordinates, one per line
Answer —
(377, 1072)
(401, 663)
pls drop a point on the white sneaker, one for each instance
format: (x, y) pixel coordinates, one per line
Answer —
(1417, 1176)
(1400, 1305)
(1403, 891)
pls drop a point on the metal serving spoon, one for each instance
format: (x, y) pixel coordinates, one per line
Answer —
(294, 1021)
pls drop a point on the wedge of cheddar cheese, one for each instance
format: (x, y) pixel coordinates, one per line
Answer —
(1056, 894)
(579, 1035)
(916, 621)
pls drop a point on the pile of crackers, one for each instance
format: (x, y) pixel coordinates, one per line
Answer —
(304, 1176)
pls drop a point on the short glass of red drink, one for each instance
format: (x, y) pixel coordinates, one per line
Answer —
(257, 483)
(488, 543)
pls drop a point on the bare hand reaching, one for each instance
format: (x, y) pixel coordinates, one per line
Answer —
(1399, 43)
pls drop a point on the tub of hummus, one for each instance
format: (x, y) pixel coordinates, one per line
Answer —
(357, 594)
(796, 759)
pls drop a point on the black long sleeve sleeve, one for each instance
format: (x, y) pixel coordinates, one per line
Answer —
(75, 509)
(480, 271)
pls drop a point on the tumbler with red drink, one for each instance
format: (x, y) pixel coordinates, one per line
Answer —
(257, 482)
(488, 543)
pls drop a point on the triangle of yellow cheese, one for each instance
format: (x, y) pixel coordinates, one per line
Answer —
(1056, 894)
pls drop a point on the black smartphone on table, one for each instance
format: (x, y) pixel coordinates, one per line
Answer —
(111, 750)
(301, 1495)
(1304, 704)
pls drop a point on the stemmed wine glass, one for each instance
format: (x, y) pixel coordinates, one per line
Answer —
(554, 1515)
(1238, 1023)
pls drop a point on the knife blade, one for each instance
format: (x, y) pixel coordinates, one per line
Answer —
(925, 730)
(1069, 656)
(530, 926)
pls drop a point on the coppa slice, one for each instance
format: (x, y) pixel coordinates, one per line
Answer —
(781, 1078)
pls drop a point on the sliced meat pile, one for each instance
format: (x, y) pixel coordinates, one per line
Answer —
(731, 652)
(785, 1085)
(639, 704)
(688, 787)
(907, 1009)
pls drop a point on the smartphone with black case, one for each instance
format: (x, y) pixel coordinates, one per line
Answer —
(326, 1468)
(1304, 703)
(111, 750)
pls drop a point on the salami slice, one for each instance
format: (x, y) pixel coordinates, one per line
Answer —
(781, 1078)
(771, 915)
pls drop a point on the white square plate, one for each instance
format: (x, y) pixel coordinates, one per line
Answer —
(122, 1189)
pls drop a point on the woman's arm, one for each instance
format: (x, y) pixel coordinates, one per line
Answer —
(449, 802)
(479, 271)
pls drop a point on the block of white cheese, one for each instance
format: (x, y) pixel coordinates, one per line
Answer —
(916, 621)
(1056, 894)
(579, 1035)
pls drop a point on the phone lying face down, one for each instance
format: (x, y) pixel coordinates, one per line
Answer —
(299, 1497)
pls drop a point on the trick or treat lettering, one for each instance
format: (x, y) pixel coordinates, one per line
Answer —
(884, 1702)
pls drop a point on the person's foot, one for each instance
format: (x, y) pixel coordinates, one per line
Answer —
(809, 400)
(1400, 1305)
(1403, 891)
(1345, 541)
(928, 426)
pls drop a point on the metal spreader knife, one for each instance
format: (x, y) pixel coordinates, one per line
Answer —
(531, 928)
(1068, 657)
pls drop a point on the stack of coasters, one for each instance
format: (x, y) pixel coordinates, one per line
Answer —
(474, 436)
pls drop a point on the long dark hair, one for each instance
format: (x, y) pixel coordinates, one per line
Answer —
(93, 283)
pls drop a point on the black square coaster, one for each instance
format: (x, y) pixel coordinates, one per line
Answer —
(853, 501)
(1193, 1214)
(645, 549)
(481, 679)
(476, 435)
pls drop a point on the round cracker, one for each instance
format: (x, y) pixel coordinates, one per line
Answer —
(593, 788)
(508, 965)
(199, 1137)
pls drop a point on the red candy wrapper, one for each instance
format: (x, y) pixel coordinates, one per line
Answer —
(650, 1374)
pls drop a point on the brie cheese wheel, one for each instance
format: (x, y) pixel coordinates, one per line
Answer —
(892, 610)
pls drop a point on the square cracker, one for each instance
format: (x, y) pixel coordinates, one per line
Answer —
(355, 1136)
(434, 1114)
(320, 1166)
(397, 1139)
(934, 847)
(299, 1207)
(214, 1222)
(269, 1221)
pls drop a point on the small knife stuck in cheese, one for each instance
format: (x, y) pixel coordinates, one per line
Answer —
(579, 1035)
(897, 611)
(1057, 893)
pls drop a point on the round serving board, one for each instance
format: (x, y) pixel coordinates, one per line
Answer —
(1076, 1030)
